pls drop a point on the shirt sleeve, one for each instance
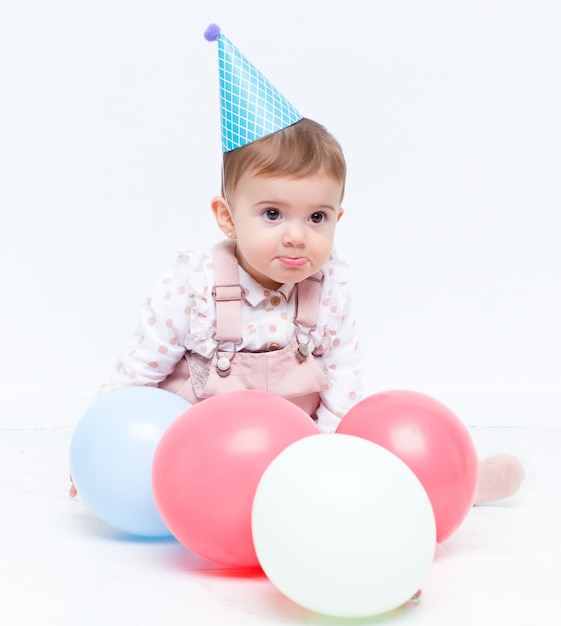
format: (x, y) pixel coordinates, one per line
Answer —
(342, 360)
(159, 340)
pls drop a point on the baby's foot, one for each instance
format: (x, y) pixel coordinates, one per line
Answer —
(499, 477)
(73, 492)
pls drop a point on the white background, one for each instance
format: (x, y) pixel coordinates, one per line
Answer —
(449, 114)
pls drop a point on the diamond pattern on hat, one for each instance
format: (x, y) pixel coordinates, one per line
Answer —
(251, 107)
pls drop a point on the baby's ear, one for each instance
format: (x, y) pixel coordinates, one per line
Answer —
(340, 214)
(221, 210)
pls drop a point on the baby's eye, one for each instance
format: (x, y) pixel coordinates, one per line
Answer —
(271, 214)
(318, 217)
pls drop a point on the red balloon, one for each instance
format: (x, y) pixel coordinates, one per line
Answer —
(431, 440)
(209, 462)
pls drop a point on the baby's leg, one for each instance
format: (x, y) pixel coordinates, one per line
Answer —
(499, 477)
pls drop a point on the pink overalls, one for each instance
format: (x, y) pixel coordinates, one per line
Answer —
(292, 372)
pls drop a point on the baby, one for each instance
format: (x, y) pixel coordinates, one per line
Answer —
(269, 307)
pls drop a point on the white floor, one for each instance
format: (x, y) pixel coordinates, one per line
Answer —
(60, 565)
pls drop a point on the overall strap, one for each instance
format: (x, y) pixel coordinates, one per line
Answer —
(227, 293)
(307, 301)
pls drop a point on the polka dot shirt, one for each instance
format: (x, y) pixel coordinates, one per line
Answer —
(180, 315)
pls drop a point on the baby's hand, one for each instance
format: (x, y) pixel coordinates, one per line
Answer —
(73, 491)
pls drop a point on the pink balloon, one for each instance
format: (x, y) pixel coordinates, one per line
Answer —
(209, 462)
(431, 440)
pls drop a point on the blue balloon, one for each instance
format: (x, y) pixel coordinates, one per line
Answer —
(111, 455)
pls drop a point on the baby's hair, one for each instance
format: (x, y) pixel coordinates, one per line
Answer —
(302, 149)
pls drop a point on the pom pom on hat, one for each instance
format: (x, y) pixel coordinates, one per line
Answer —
(212, 33)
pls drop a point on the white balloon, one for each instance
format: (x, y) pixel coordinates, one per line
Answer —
(343, 527)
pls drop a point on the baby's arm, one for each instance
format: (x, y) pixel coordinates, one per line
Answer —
(343, 364)
(158, 343)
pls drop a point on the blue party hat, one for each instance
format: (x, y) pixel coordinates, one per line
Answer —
(250, 106)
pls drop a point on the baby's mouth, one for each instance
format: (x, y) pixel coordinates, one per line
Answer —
(293, 261)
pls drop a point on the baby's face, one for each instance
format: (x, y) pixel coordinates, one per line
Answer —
(284, 227)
